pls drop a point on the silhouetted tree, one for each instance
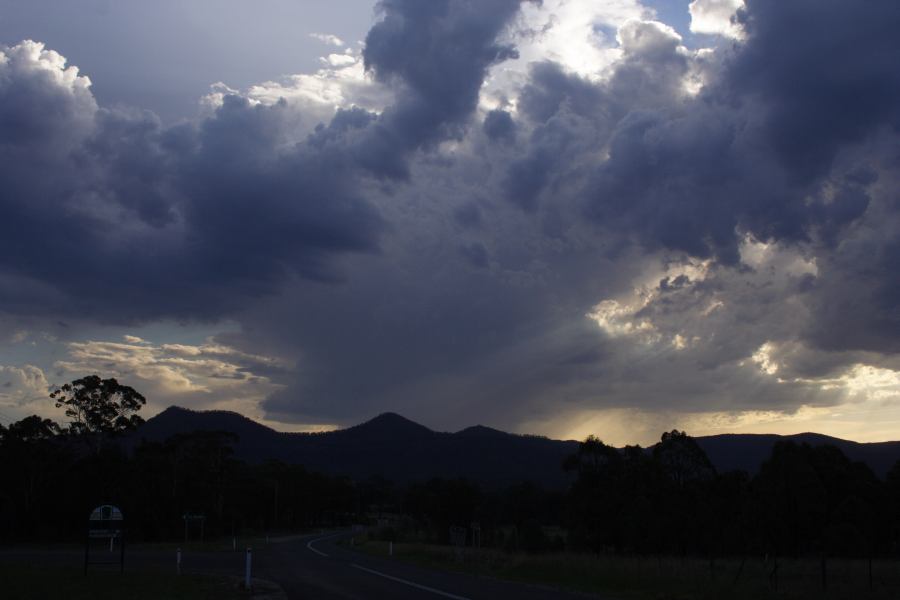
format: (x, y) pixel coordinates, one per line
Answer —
(99, 408)
(595, 499)
(30, 429)
(815, 501)
(642, 485)
(682, 459)
(31, 462)
(892, 502)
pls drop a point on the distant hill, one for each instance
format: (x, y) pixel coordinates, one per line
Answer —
(389, 446)
(401, 450)
(747, 451)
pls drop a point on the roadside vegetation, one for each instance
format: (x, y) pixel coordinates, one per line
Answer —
(32, 582)
(654, 578)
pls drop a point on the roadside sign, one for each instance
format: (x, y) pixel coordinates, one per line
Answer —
(193, 518)
(458, 540)
(105, 523)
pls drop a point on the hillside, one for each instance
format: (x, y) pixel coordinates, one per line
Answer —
(747, 451)
(401, 450)
(389, 446)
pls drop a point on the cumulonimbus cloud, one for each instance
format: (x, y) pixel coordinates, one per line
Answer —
(663, 231)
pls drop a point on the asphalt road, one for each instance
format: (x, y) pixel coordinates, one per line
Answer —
(318, 568)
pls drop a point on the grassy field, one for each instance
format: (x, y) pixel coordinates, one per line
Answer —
(211, 544)
(222, 544)
(26, 582)
(661, 578)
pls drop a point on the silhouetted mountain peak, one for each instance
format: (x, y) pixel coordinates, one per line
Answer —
(174, 412)
(176, 419)
(389, 424)
(816, 439)
(481, 431)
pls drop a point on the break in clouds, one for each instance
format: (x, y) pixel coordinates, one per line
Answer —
(512, 213)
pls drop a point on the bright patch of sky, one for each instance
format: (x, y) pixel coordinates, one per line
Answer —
(164, 55)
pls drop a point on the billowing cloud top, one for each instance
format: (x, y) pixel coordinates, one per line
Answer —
(468, 220)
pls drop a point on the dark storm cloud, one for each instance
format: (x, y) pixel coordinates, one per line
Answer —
(476, 254)
(130, 148)
(437, 55)
(468, 215)
(274, 212)
(755, 151)
(188, 221)
(550, 87)
(193, 220)
(789, 142)
(856, 299)
(685, 176)
(499, 126)
(574, 117)
(825, 73)
(399, 272)
(437, 330)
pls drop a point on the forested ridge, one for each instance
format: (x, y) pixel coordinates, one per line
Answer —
(669, 499)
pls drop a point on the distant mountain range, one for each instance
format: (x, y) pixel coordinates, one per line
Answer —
(747, 451)
(401, 450)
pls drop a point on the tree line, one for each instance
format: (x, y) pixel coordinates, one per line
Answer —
(664, 500)
(54, 475)
(670, 500)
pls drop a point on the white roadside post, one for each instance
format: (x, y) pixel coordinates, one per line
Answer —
(390, 548)
(178, 561)
(247, 574)
(234, 543)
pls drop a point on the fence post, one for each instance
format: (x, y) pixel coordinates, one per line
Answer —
(870, 571)
(247, 574)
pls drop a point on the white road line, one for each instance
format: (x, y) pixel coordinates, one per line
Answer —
(410, 583)
(319, 552)
(309, 544)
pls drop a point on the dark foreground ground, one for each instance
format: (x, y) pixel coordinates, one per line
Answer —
(324, 566)
(305, 567)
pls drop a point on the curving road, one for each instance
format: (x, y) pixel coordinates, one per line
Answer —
(318, 568)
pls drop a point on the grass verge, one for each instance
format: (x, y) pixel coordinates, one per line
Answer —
(659, 578)
(29, 582)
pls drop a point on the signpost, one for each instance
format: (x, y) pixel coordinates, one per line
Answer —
(188, 519)
(247, 578)
(458, 540)
(105, 523)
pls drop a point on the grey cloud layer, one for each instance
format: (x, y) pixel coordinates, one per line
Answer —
(437, 260)
(126, 220)
(192, 220)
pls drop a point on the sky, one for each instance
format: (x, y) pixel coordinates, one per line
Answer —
(565, 217)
